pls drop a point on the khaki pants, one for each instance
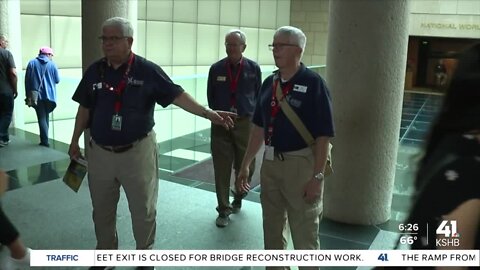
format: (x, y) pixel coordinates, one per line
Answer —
(228, 147)
(136, 171)
(282, 199)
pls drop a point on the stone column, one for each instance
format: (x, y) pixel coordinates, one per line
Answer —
(94, 13)
(10, 27)
(366, 58)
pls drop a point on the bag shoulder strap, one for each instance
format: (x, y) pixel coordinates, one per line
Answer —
(43, 74)
(301, 128)
(293, 117)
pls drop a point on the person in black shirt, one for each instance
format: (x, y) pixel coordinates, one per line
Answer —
(447, 197)
(8, 90)
(9, 236)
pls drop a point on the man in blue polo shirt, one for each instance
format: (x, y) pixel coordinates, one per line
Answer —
(292, 172)
(117, 96)
(233, 85)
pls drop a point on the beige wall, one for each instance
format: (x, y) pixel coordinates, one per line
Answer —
(312, 17)
(445, 18)
(434, 18)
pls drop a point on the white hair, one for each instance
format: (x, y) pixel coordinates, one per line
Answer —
(296, 35)
(122, 23)
(239, 33)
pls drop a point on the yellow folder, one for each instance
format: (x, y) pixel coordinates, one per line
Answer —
(75, 174)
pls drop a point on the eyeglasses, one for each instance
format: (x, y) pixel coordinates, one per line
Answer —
(280, 46)
(113, 39)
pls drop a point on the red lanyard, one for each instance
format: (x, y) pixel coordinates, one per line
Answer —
(275, 107)
(121, 85)
(234, 82)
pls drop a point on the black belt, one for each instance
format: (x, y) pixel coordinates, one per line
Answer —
(122, 148)
(117, 149)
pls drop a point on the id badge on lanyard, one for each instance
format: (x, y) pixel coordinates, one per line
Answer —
(117, 122)
(269, 152)
(116, 118)
(233, 79)
(275, 108)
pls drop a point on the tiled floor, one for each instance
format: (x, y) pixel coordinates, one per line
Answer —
(36, 189)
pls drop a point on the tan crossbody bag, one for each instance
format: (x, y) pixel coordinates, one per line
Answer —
(298, 124)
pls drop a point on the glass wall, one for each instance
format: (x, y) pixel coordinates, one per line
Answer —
(183, 37)
(54, 23)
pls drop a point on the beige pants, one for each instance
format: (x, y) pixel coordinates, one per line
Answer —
(136, 171)
(228, 148)
(281, 196)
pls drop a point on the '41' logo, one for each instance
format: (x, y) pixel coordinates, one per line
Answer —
(448, 230)
(383, 257)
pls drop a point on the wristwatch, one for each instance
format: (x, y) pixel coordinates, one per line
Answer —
(319, 176)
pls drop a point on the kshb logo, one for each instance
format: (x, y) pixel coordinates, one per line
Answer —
(447, 234)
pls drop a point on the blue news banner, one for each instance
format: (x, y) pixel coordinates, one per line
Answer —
(66, 258)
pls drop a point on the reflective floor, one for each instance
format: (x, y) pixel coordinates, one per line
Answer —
(51, 216)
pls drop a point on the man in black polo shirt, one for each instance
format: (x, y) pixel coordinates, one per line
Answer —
(292, 171)
(117, 96)
(233, 85)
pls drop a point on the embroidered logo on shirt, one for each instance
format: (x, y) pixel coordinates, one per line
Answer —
(300, 88)
(294, 102)
(132, 81)
(221, 79)
(251, 75)
(451, 175)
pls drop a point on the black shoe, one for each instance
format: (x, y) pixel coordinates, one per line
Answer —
(222, 220)
(101, 268)
(44, 144)
(145, 268)
(236, 205)
(237, 201)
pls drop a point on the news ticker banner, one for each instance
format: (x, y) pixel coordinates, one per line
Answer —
(72, 258)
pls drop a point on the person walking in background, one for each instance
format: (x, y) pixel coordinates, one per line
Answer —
(19, 258)
(440, 74)
(292, 174)
(233, 85)
(448, 179)
(42, 76)
(8, 90)
(117, 97)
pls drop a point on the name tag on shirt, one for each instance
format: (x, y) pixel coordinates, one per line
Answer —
(300, 88)
(221, 79)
